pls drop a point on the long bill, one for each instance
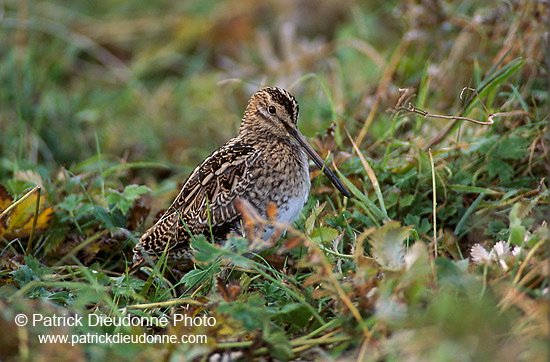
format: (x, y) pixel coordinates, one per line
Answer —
(318, 161)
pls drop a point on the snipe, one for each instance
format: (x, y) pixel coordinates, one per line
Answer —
(266, 162)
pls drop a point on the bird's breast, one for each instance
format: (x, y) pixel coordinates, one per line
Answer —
(294, 189)
(281, 176)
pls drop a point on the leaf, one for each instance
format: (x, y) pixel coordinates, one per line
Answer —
(240, 261)
(127, 287)
(496, 228)
(5, 198)
(236, 244)
(295, 314)
(418, 272)
(278, 342)
(500, 168)
(71, 202)
(109, 220)
(451, 272)
(387, 244)
(206, 252)
(132, 192)
(517, 231)
(407, 200)
(61, 298)
(412, 220)
(19, 221)
(23, 212)
(313, 216)
(252, 314)
(512, 148)
(31, 271)
(42, 221)
(124, 200)
(196, 277)
(29, 176)
(323, 235)
(417, 256)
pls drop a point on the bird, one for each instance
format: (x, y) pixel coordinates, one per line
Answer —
(267, 162)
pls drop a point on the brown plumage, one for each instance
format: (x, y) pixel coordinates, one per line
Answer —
(266, 162)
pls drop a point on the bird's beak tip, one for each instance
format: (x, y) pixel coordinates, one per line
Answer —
(295, 133)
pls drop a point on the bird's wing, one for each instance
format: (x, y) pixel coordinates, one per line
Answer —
(205, 202)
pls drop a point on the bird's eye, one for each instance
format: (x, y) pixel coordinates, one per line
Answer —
(272, 110)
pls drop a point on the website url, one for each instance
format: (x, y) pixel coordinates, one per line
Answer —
(120, 338)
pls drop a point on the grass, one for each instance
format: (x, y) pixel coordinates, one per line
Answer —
(441, 253)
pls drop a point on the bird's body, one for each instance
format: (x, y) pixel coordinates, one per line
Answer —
(266, 163)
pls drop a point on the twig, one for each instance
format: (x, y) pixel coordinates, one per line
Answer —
(404, 104)
(168, 303)
(14, 205)
(35, 220)
(434, 203)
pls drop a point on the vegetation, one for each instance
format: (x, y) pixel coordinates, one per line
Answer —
(439, 114)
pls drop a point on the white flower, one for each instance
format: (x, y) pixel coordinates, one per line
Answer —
(479, 254)
(498, 253)
(501, 249)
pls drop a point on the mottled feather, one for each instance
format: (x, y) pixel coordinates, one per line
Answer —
(266, 163)
(205, 202)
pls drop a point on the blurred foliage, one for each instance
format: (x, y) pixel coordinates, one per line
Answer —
(442, 253)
